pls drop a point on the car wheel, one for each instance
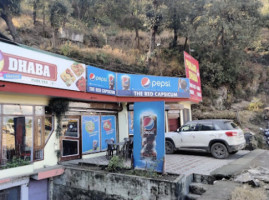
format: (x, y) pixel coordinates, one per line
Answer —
(233, 152)
(169, 147)
(219, 150)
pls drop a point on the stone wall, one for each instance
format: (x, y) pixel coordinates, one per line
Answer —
(79, 183)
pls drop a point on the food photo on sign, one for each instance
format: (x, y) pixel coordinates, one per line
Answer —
(108, 129)
(90, 134)
(29, 66)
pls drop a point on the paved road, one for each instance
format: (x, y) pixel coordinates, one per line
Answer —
(199, 163)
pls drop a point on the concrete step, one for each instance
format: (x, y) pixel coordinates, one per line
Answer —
(192, 197)
(198, 188)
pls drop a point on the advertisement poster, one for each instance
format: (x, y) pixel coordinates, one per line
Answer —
(101, 81)
(108, 129)
(131, 122)
(22, 65)
(193, 73)
(90, 134)
(152, 86)
(149, 141)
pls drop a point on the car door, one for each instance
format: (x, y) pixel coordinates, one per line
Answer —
(187, 135)
(204, 134)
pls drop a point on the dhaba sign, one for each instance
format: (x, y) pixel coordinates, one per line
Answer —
(193, 73)
(22, 65)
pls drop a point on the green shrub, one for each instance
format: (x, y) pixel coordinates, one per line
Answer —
(65, 49)
(16, 162)
(115, 164)
(95, 40)
(255, 105)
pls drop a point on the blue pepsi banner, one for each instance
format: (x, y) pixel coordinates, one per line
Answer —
(149, 142)
(108, 129)
(152, 86)
(101, 81)
(90, 134)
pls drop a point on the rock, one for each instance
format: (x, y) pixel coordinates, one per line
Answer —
(244, 178)
(71, 35)
(254, 171)
(254, 183)
(264, 178)
(198, 188)
(222, 96)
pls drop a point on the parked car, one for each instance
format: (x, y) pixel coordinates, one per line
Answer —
(220, 137)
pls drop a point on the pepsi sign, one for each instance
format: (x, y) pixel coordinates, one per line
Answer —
(145, 82)
(92, 76)
(101, 81)
(152, 86)
(149, 141)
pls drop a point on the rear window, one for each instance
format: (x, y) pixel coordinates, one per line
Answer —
(227, 125)
(231, 125)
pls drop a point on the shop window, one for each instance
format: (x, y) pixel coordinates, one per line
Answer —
(70, 147)
(39, 110)
(22, 132)
(17, 138)
(17, 110)
(70, 127)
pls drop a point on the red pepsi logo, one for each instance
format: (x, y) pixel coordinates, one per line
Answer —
(92, 76)
(145, 82)
(148, 123)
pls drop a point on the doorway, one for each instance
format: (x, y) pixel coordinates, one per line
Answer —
(70, 138)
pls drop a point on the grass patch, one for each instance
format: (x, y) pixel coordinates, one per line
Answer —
(247, 193)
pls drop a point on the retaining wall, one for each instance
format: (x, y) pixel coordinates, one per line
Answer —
(80, 183)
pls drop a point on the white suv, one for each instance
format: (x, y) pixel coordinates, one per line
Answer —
(220, 137)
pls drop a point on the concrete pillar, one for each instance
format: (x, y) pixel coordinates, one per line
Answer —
(24, 192)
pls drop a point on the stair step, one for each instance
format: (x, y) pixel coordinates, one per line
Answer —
(192, 196)
(198, 188)
(206, 179)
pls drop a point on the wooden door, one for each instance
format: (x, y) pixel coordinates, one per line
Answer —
(70, 138)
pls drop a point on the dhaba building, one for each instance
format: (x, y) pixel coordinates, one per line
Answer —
(35, 84)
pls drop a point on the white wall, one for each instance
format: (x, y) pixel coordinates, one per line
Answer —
(186, 104)
(123, 123)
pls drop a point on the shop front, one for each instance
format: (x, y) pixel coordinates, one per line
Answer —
(100, 102)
